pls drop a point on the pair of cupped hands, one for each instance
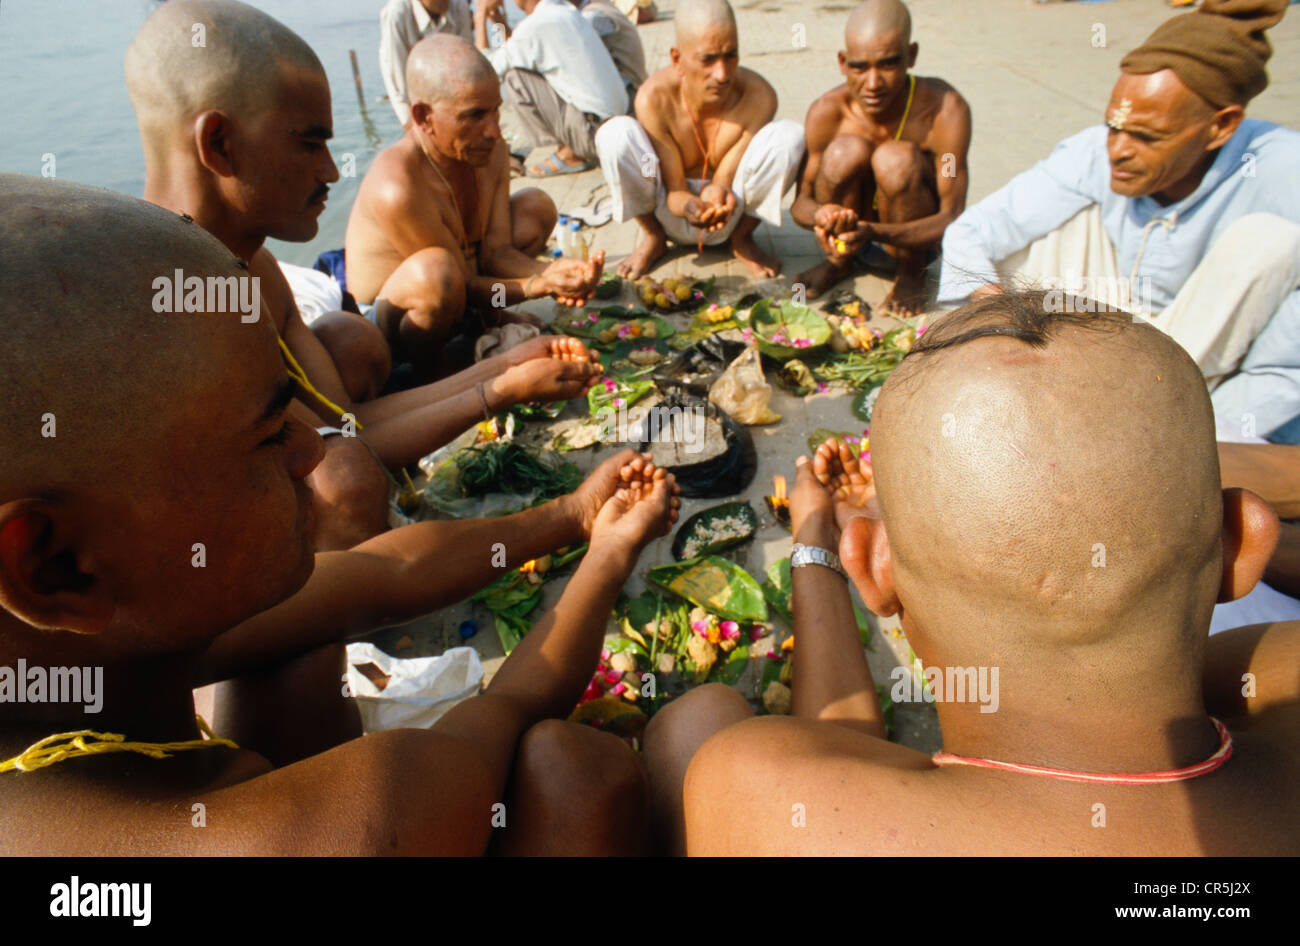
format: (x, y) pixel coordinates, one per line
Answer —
(830, 490)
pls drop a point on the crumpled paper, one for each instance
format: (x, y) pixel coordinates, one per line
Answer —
(419, 689)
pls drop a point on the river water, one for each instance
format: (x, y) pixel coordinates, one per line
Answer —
(64, 107)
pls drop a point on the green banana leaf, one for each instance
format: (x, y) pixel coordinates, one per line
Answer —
(795, 322)
(715, 584)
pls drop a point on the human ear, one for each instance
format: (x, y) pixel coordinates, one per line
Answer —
(842, 59)
(41, 578)
(421, 114)
(1250, 531)
(1224, 125)
(911, 54)
(865, 553)
(212, 142)
(675, 57)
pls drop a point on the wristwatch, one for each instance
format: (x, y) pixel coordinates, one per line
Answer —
(816, 555)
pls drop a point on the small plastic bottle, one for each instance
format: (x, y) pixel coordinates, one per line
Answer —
(561, 232)
(577, 242)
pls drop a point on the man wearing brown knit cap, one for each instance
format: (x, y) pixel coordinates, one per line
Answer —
(1179, 209)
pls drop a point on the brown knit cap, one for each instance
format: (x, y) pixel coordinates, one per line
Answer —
(1218, 51)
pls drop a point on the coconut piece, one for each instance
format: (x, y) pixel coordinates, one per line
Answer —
(623, 661)
(666, 664)
(703, 654)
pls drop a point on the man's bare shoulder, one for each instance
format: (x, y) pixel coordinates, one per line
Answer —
(275, 289)
(757, 97)
(395, 792)
(944, 100)
(825, 115)
(657, 98)
(387, 185)
(781, 773)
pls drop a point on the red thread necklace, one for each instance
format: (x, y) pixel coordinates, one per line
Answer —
(1222, 755)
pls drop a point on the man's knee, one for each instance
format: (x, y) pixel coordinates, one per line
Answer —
(532, 219)
(571, 754)
(350, 495)
(433, 291)
(359, 350)
(897, 166)
(714, 704)
(614, 138)
(845, 158)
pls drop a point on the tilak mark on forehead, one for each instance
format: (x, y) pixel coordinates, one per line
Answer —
(1119, 116)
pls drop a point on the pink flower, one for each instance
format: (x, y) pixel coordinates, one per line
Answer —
(849, 438)
(592, 317)
(614, 676)
(610, 385)
(921, 330)
(618, 690)
(866, 456)
(700, 627)
(618, 402)
(730, 630)
(605, 654)
(713, 307)
(773, 655)
(878, 333)
(822, 387)
(624, 331)
(755, 632)
(802, 342)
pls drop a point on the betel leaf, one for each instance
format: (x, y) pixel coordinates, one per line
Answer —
(787, 330)
(511, 629)
(609, 286)
(604, 398)
(731, 669)
(693, 535)
(715, 584)
(506, 592)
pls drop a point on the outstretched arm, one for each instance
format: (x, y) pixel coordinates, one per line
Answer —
(404, 573)
(832, 681)
(545, 675)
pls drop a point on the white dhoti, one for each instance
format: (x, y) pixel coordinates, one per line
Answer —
(766, 171)
(1240, 283)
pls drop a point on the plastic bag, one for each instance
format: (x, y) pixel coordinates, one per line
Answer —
(419, 689)
(743, 391)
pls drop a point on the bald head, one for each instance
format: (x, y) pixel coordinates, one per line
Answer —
(694, 18)
(194, 55)
(77, 272)
(878, 18)
(442, 66)
(1044, 473)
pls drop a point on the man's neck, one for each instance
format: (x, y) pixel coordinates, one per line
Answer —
(449, 166)
(146, 701)
(1187, 186)
(1143, 719)
(892, 114)
(183, 194)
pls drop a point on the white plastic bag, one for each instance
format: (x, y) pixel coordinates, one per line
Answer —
(419, 689)
(743, 392)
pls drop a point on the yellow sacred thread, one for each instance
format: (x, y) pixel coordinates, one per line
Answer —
(907, 109)
(296, 372)
(71, 745)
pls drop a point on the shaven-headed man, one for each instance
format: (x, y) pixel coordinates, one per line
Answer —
(434, 229)
(886, 158)
(235, 135)
(703, 160)
(97, 533)
(1054, 561)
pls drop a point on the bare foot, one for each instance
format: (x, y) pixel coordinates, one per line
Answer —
(907, 297)
(648, 250)
(822, 277)
(762, 265)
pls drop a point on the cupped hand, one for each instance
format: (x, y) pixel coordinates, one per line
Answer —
(643, 507)
(573, 282)
(545, 380)
(559, 347)
(848, 480)
(810, 503)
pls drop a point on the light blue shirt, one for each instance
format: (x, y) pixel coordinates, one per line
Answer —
(1257, 171)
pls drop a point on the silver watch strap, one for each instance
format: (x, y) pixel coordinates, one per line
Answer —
(803, 555)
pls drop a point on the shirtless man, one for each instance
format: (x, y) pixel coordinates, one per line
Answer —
(434, 228)
(886, 158)
(234, 135)
(97, 533)
(988, 543)
(703, 160)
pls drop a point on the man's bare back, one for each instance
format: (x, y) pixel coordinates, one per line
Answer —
(859, 795)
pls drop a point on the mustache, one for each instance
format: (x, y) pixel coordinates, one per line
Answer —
(319, 194)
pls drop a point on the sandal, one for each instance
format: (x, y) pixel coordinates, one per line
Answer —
(555, 166)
